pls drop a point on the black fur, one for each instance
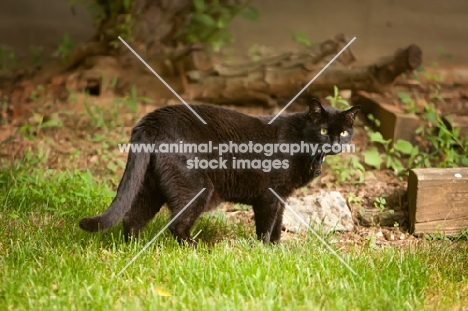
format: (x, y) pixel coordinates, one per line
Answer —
(152, 179)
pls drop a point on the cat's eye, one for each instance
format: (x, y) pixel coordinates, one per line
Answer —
(323, 131)
(344, 133)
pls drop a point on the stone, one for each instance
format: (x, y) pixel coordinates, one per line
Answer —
(324, 212)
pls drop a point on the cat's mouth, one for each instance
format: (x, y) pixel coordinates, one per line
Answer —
(316, 163)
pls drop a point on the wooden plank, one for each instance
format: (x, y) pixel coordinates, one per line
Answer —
(438, 200)
(394, 123)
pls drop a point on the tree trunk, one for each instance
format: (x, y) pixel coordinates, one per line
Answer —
(151, 27)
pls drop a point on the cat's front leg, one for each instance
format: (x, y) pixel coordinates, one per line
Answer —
(278, 225)
(268, 219)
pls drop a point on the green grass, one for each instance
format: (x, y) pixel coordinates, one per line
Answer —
(47, 262)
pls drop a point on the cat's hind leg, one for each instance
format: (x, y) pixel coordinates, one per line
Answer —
(182, 224)
(180, 185)
(146, 204)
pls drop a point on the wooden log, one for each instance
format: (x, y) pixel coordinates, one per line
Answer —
(271, 80)
(376, 217)
(438, 200)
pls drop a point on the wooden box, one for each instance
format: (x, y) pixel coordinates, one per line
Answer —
(438, 200)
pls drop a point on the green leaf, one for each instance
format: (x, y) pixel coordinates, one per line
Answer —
(10, 138)
(427, 163)
(373, 158)
(336, 91)
(377, 137)
(371, 117)
(413, 154)
(397, 166)
(464, 160)
(112, 167)
(251, 13)
(199, 5)
(221, 23)
(404, 97)
(344, 103)
(403, 146)
(206, 20)
(389, 163)
(300, 37)
(13, 215)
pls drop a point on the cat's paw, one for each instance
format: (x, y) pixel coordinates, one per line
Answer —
(189, 242)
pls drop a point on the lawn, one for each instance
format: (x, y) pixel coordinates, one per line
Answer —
(48, 263)
(62, 165)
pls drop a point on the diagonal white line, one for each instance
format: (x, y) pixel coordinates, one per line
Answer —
(160, 232)
(164, 82)
(313, 79)
(313, 231)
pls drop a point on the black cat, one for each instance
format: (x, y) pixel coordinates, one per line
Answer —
(152, 179)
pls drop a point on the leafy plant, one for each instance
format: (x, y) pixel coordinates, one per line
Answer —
(371, 118)
(106, 118)
(337, 101)
(441, 145)
(116, 14)
(65, 46)
(36, 54)
(255, 52)
(438, 235)
(380, 203)
(37, 93)
(392, 153)
(410, 104)
(434, 92)
(40, 122)
(347, 169)
(123, 28)
(8, 59)
(443, 52)
(112, 83)
(444, 145)
(300, 37)
(354, 199)
(94, 9)
(133, 99)
(211, 19)
(96, 113)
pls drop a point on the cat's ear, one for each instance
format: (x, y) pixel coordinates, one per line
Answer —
(350, 114)
(316, 110)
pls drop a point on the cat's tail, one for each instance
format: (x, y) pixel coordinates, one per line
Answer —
(129, 186)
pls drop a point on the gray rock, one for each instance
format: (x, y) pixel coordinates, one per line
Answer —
(324, 212)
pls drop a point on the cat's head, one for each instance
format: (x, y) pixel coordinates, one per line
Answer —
(330, 127)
